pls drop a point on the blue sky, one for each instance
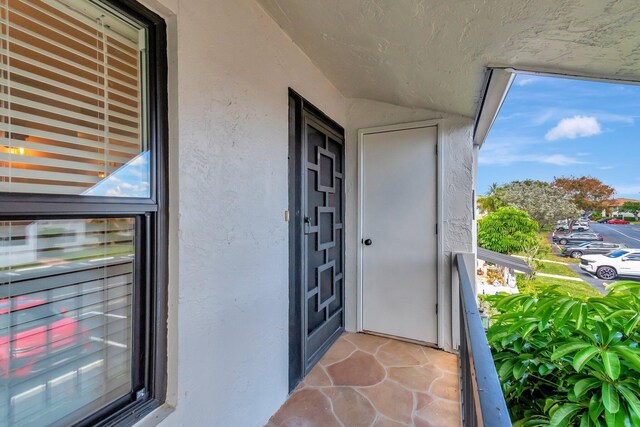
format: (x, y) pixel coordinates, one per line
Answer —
(551, 127)
(130, 180)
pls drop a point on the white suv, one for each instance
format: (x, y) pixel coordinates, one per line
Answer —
(624, 262)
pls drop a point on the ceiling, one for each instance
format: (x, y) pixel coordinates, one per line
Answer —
(432, 53)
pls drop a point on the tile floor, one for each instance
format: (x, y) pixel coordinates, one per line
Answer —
(370, 381)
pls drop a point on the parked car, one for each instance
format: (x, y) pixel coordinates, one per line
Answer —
(617, 221)
(39, 336)
(604, 220)
(578, 226)
(563, 239)
(590, 248)
(624, 262)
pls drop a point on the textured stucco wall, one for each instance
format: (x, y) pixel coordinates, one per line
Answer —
(457, 223)
(432, 54)
(231, 68)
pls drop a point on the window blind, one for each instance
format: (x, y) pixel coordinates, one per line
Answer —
(65, 317)
(71, 91)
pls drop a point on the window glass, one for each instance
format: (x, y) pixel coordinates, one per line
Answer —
(72, 85)
(65, 317)
(616, 254)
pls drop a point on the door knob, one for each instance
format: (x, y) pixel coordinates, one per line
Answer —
(368, 242)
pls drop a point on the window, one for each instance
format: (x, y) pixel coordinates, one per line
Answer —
(82, 211)
(616, 254)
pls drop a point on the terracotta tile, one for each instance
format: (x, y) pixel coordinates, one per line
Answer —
(419, 387)
(359, 369)
(443, 360)
(365, 342)
(414, 377)
(352, 408)
(422, 400)
(419, 422)
(447, 387)
(317, 377)
(306, 408)
(445, 412)
(340, 350)
(391, 400)
(386, 422)
(397, 353)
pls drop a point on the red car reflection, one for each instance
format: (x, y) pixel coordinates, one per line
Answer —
(35, 336)
(617, 221)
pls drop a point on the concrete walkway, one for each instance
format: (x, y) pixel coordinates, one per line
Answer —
(556, 276)
(543, 260)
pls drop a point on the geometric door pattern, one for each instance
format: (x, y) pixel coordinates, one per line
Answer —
(323, 202)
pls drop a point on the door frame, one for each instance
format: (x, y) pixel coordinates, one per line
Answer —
(439, 215)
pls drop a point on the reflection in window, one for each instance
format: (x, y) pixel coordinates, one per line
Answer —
(65, 317)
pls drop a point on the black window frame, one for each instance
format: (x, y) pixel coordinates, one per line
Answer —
(149, 353)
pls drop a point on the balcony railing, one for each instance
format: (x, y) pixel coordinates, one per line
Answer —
(482, 400)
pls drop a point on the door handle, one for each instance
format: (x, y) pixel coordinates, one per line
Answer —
(367, 242)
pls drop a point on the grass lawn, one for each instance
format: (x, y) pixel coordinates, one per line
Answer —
(573, 288)
(560, 270)
(97, 252)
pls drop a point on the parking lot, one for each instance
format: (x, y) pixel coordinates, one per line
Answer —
(627, 234)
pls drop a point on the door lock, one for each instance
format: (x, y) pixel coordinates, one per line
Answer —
(367, 242)
(307, 225)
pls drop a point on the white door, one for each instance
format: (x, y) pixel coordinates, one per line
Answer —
(399, 242)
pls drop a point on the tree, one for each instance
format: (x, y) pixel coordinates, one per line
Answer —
(544, 203)
(492, 201)
(507, 230)
(633, 207)
(587, 193)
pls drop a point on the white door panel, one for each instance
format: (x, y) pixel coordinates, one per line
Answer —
(399, 268)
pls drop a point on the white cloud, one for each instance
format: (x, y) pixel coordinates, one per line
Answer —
(574, 127)
(508, 158)
(507, 150)
(138, 161)
(560, 160)
(616, 118)
(606, 168)
(627, 189)
(525, 81)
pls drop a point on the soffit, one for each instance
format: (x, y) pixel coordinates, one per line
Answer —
(432, 53)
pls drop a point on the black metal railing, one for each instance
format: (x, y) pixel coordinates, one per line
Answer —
(482, 399)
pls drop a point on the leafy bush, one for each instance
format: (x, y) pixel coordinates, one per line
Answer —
(566, 361)
(507, 230)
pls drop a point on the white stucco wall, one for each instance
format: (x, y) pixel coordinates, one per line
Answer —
(458, 176)
(231, 66)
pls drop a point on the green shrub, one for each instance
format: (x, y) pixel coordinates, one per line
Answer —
(566, 361)
(507, 230)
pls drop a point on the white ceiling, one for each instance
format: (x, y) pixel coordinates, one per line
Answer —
(432, 53)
